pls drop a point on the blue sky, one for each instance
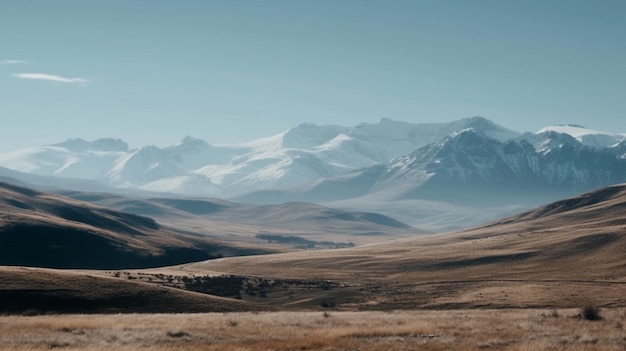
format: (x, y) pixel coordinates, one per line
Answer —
(152, 72)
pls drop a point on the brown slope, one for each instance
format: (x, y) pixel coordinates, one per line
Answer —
(557, 255)
(40, 229)
(40, 290)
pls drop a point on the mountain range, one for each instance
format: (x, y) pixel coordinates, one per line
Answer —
(455, 169)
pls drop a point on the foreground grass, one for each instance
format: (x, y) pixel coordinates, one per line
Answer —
(398, 330)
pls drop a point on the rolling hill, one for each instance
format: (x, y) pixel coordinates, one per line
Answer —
(107, 231)
(39, 290)
(565, 254)
(46, 230)
(560, 255)
(226, 220)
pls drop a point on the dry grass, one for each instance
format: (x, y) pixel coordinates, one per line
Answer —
(397, 330)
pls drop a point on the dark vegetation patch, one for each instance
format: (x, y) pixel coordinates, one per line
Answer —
(301, 242)
(231, 286)
(484, 260)
(590, 313)
(178, 334)
(589, 243)
(225, 286)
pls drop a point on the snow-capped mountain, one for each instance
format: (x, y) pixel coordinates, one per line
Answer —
(436, 176)
(437, 161)
(586, 136)
(470, 167)
(302, 154)
(74, 158)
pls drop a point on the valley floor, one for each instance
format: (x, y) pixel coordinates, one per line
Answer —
(502, 329)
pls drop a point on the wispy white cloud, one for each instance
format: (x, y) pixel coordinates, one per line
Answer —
(12, 62)
(50, 77)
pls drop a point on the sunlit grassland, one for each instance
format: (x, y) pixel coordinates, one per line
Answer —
(504, 329)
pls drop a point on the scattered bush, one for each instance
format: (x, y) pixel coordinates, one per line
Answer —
(328, 304)
(590, 313)
(178, 334)
(554, 313)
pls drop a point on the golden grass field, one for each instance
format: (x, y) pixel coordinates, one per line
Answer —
(506, 329)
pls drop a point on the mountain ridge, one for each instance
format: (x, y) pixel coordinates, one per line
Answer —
(471, 162)
(301, 154)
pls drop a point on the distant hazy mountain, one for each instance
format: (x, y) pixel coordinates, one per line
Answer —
(467, 178)
(299, 155)
(470, 167)
(463, 165)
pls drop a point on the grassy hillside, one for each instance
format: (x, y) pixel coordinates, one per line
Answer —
(562, 255)
(45, 230)
(40, 291)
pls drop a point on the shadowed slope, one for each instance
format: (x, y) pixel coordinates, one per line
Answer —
(45, 290)
(40, 229)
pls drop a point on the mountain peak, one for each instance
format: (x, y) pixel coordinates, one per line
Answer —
(588, 137)
(307, 135)
(189, 143)
(479, 122)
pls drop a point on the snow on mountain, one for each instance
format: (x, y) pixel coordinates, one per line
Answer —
(308, 152)
(184, 184)
(448, 174)
(192, 153)
(390, 139)
(145, 165)
(74, 158)
(471, 168)
(558, 164)
(329, 161)
(307, 135)
(586, 136)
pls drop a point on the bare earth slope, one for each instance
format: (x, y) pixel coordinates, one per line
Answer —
(564, 254)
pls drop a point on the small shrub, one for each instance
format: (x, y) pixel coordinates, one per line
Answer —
(554, 313)
(590, 313)
(328, 304)
(178, 334)
(54, 345)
